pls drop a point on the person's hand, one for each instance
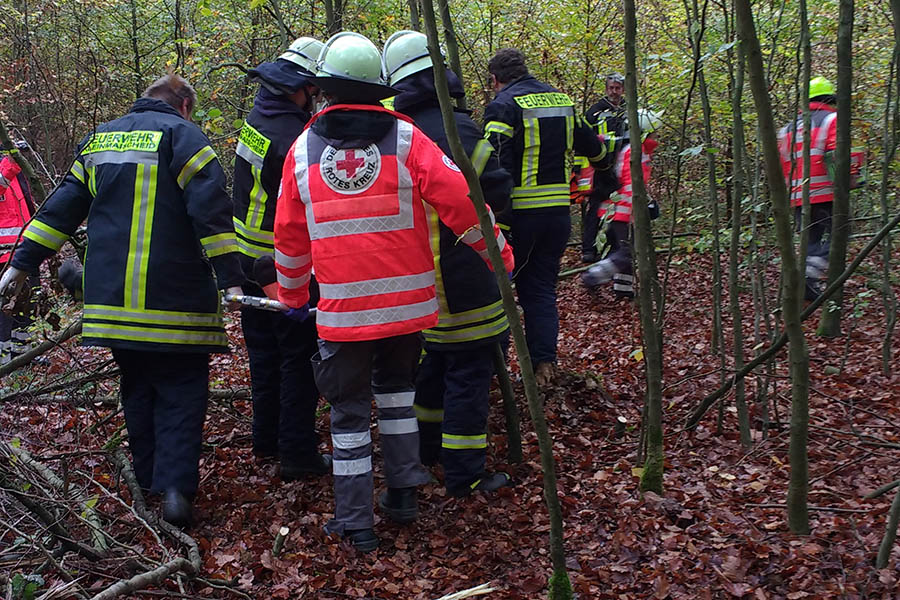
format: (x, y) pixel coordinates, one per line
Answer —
(236, 291)
(298, 314)
(11, 281)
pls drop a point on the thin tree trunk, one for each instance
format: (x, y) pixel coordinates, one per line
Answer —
(830, 323)
(890, 534)
(798, 489)
(737, 172)
(452, 45)
(415, 21)
(889, 299)
(652, 476)
(136, 53)
(560, 586)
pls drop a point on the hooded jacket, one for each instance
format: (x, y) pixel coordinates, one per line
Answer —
(471, 312)
(354, 192)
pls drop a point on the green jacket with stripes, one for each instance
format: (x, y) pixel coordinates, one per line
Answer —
(535, 130)
(158, 217)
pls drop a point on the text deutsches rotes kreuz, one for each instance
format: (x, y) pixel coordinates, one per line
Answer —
(351, 170)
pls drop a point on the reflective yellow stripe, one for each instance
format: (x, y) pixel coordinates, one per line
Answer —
(216, 245)
(471, 316)
(94, 312)
(463, 442)
(434, 239)
(481, 154)
(45, 235)
(194, 164)
(153, 335)
(498, 127)
(77, 171)
(139, 245)
(570, 142)
(428, 415)
(388, 103)
(531, 153)
(539, 196)
(253, 242)
(468, 334)
(258, 196)
(92, 180)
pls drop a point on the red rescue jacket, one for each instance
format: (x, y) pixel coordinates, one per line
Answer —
(824, 136)
(15, 209)
(619, 207)
(356, 216)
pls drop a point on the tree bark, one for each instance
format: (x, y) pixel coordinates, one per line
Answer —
(737, 172)
(798, 515)
(452, 46)
(830, 323)
(652, 476)
(560, 586)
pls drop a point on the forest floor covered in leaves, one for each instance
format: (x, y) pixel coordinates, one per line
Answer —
(718, 532)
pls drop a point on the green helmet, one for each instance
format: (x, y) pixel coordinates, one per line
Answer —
(349, 55)
(819, 86)
(405, 53)
(304, 52)
(349, 68)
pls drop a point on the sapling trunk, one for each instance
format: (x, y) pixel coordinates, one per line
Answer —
(798, 515)
(560, 586)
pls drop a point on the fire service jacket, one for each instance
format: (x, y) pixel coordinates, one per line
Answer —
(824, 137)
(534, 129)
(157, 214)
(352, 206)
(264, 141)
(15, 205)
(471, 312)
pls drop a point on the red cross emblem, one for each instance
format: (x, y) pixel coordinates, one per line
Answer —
(350, 163)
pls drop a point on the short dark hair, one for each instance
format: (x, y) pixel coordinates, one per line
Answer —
(508, 65)
(173, 90)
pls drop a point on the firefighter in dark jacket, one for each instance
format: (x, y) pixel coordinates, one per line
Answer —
(159, 216)
(534, 129)
(280, 349)
(607, 116)
(454, 376)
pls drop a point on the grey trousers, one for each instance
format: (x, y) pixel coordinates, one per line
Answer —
(349, 374)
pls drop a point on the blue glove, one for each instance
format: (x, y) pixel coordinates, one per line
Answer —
(298, 314)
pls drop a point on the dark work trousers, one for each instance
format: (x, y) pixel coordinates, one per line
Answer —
(539, 240)
(164, 395)
(348, 375)
(819, 229)
(589, 225)
(452, 407)
(284, 389)
(618, 235)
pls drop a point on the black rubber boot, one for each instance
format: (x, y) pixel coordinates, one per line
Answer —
(176, 509)
(317, 465)
(488, 482)
(400, 504)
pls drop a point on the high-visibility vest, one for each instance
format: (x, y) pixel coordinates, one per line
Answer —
(14, 209)
(357, 216)
(822, 140)
(619, 206)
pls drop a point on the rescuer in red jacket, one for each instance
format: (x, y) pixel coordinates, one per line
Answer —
(356, 191)
(16, 208)
(823, 140)
(617, 210)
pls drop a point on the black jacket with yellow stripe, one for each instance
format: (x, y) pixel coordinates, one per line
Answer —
(535, 129)
(265, 139)
(471, 312)
(153, 193)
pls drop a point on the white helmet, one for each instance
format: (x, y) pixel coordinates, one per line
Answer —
(349, 66)
(405, 53)
(304, 52)
(649, 121)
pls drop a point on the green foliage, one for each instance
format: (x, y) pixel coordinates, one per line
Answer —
(24, 587)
